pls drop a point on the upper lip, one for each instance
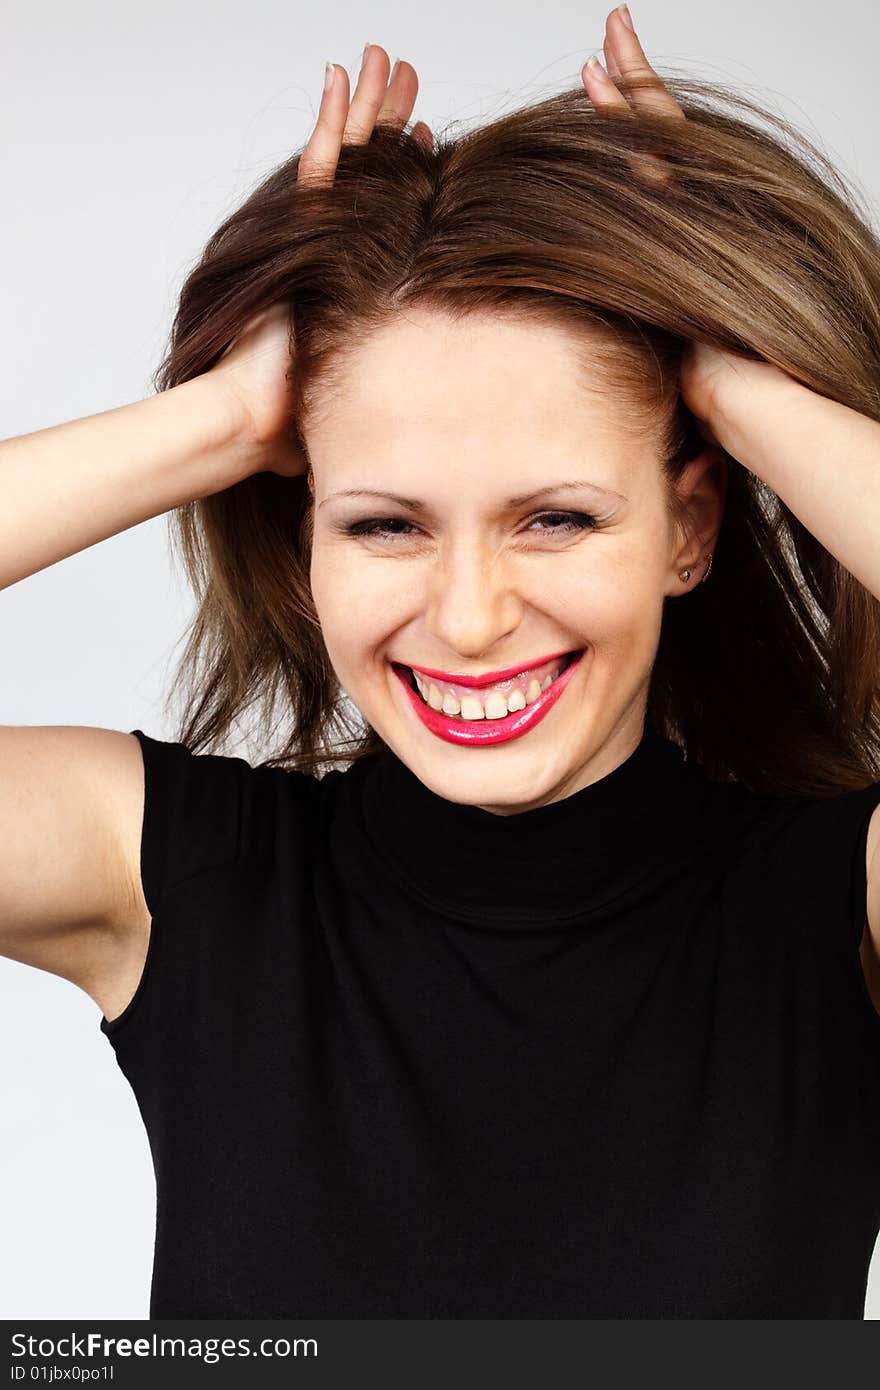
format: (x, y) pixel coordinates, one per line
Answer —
(490, 677)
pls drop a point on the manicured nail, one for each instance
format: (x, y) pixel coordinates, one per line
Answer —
(329, 74)
(596, 68)
(625, 15)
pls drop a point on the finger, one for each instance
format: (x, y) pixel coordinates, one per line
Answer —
(422, 134)
(600, 88)
(400, 98)
(651, 169)
(605, 97)
(631, 62)
(317, 163)
(611, 64)
(369, 96)
(378, 101)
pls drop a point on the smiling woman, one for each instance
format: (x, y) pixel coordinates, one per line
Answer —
(530, 975)
(580, 806)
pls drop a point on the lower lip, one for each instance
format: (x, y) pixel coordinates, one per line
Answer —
(479, 732)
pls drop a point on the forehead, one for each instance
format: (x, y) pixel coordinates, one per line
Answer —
(428, 380)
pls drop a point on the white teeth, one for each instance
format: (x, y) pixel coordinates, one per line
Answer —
(494, 705)
(471, 708)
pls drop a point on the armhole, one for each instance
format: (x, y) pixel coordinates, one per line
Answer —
(146, 864)
(864, 803)
(110, 1026)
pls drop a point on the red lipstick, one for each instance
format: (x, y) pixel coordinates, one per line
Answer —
(481, 732)
(491, 677)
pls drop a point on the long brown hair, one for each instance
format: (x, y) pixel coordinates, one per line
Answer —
(767, 674)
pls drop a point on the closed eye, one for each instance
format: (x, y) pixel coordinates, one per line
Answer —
(572, 521)
(562, 523)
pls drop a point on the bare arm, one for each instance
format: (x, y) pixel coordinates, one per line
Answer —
(71, 798)
(65, 488)
(71, 809)
(820, 456)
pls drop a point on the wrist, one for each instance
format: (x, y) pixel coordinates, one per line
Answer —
(752, 407)
(217, 435)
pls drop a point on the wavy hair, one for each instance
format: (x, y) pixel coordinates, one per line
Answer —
(767, 674)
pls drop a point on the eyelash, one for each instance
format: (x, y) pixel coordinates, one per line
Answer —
(377, 528)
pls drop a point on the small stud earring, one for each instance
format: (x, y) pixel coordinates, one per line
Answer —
(684, 575)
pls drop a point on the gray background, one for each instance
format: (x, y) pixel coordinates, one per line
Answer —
(130, 132)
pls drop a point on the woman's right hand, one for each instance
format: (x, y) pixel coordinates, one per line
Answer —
(253, 372)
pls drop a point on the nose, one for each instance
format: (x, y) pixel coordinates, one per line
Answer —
(470, 602)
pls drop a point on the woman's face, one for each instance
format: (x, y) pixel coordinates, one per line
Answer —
(445, 571)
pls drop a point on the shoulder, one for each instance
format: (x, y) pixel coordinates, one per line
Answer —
(203, 811)
(827, 852)
(202, 815)
(821, 853)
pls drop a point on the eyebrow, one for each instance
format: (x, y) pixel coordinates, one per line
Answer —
(412, 504)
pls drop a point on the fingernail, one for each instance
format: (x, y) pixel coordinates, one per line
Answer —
(394, 69)
(596, 67)
(625, 15)
(363, 55)
(329, 74)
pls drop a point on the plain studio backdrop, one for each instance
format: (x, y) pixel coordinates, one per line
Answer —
(130, 133)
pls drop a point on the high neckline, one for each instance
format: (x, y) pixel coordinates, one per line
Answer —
(569, 859)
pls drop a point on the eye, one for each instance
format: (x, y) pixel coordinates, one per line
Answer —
(376, 526)
(571, 521)
(562, 523)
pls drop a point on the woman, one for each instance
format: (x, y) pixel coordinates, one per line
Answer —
(552, 990)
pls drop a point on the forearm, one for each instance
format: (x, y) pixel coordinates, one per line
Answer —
(822, 459)
(65, 488)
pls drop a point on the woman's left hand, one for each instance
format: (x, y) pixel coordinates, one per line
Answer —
(625, 58)
(712, 381)
(720, 389)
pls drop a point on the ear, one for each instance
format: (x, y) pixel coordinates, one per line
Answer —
(701, 491)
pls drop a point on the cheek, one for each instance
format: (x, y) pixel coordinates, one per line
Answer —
(601, 596)
(358, 603)
(627, 633)
(337, 583)
(616, 608)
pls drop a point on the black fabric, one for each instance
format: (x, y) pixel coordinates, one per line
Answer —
(402, 1058)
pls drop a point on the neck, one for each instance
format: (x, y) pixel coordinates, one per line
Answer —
(562, 861)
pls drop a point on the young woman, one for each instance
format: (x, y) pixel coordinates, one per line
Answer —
(536, 973)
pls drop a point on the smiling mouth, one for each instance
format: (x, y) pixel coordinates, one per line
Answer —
(473, 703)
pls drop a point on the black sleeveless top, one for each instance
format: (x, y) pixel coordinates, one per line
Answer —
(613, 1057)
